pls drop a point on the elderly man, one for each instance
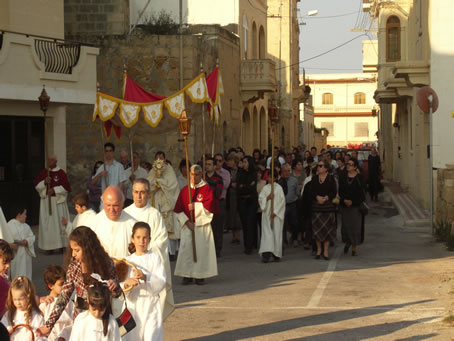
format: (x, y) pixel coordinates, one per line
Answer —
(141, 210)
(289, 185)
(124, 159)
(196, 216)
(112, 225)
(164, 193)
(52, 183)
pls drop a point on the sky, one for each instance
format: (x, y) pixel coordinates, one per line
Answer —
(330, 28)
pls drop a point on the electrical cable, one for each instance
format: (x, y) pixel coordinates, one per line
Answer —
(326, 17)
(323, 53)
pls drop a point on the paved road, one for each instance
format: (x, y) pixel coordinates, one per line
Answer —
(396, 289)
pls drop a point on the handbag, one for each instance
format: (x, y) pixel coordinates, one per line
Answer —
(125, 321)
(364, 208)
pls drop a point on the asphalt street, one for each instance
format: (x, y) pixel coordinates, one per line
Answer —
(397, 288)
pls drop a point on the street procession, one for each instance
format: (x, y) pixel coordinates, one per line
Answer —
(226, 170)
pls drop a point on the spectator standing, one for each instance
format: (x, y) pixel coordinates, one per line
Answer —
(233, 218)
(94, 190)
(225, 175)
(289, 185)
(216, 184)
(374, 167)
(247, 204)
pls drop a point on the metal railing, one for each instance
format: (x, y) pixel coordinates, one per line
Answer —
(58, 57)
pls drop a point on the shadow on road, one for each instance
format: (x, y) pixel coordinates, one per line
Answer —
(320, 319)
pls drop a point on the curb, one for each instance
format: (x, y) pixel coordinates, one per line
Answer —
(413, 216)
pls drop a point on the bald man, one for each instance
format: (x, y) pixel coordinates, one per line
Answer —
(112, 225)
(52, 182)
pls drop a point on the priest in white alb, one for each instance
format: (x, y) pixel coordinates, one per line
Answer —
(141, 210)
(272, 222)
(196, 216)
(164, 194)
(112, 225)
(84, 216)
(52, 183)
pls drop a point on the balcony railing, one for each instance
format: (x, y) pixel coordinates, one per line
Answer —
(327, 108)
(58, 57)
(258, 75)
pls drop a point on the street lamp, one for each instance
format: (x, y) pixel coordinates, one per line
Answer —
(311, 13)
(184, 123)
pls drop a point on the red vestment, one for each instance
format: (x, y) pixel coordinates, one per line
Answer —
(57, 178)
(202, 194)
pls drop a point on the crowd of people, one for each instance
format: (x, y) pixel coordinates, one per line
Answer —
(136, 217)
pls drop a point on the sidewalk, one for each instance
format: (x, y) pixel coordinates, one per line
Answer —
(412, 213)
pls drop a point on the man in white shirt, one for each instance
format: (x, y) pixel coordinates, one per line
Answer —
(111, 173)
(132, 173)
(141, 210)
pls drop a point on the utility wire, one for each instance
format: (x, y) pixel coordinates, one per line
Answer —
(327, 17)
(323, 53)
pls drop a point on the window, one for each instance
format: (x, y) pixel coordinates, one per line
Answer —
(360, 98)
(361, 129)
(328, 126)
(393, 39)
(245, 36)
(327, 98)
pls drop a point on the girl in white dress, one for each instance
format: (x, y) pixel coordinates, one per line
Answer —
(146, 282)
(97, 323)
(22, 308)
(24, 240)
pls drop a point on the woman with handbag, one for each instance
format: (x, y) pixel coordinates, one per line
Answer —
(87, 257)
(323, 191)
(352, 195)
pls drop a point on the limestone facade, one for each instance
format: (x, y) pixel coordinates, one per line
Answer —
(415, 51)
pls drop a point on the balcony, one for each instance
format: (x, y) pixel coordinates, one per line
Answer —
(257, 77)
(57, 57)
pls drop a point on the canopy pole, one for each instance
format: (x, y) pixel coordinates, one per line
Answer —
(203, 133)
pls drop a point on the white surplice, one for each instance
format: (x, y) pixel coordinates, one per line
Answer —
(51, 235)
(88, 328)
(63, 326)
(143, 300)
(159, 240)
(114, 236)
(206, 265)
(84, 219)
(23, 334)
(21, 265)
(271, 240)
(4, 230)
(164, 194)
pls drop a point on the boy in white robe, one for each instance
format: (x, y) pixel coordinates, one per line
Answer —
(54, 278)
(84, 217)
(24, 240)
(271, 240)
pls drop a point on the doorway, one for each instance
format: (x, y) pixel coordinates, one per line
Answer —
(21, 159)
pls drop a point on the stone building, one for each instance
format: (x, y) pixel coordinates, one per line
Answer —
(415, 50)
(283, 49)
(33, 53)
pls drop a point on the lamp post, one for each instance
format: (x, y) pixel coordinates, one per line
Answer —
(44, 100)
(184, 123)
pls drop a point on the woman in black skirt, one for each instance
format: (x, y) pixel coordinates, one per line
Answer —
(323, 191)
(351, 194)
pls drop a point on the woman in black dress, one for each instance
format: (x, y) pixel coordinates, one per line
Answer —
(351, 194)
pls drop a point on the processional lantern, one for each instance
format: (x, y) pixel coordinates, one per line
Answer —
(184, 123)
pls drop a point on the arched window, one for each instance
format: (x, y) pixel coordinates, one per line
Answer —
(254, 40)
(327, 98)
(245, 36)
(393, 39)
(360, 98)
(262, 47)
